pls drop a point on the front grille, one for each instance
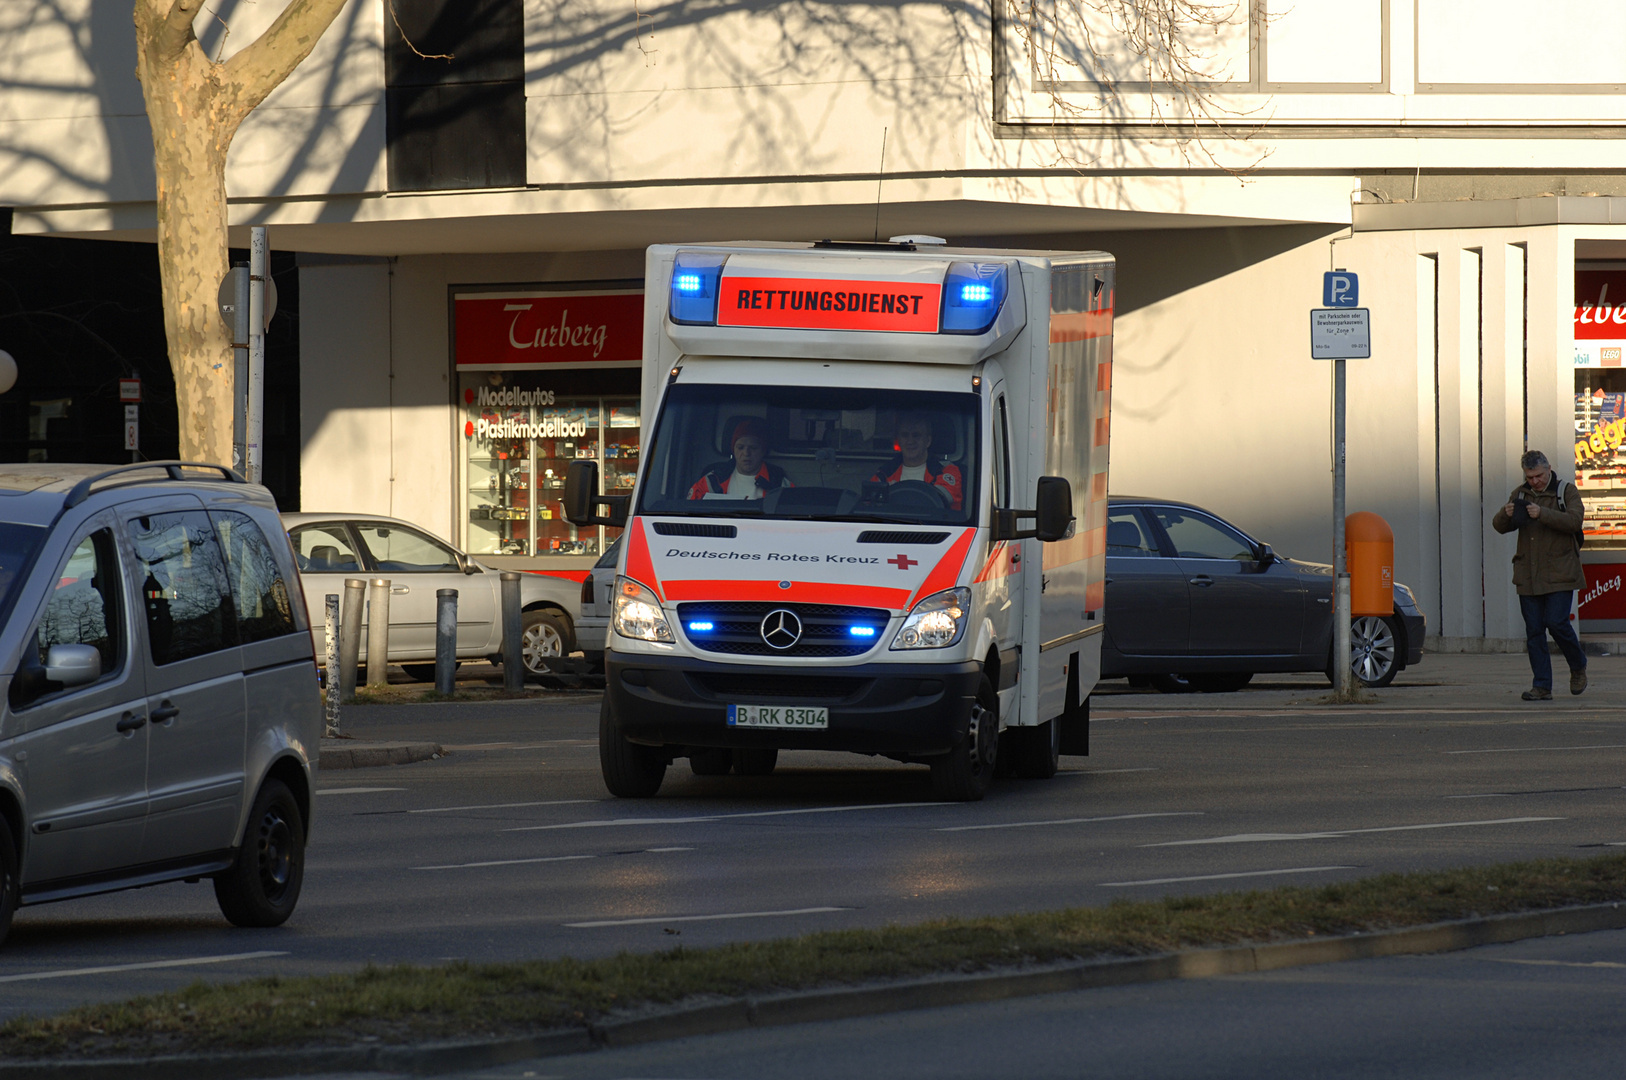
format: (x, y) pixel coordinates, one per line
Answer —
(826, 628)
(877, 536)
(692, 528)
(808, 687)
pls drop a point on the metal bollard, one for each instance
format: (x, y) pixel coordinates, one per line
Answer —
(513, 655)
(350, 637)
(445, 641)
(332, 660)
(378, 632)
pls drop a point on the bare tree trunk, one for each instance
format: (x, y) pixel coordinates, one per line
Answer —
(195, 107)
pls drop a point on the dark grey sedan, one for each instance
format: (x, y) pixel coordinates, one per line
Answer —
(1194, 603)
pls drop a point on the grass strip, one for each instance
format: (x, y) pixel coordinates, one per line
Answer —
(462, 1000)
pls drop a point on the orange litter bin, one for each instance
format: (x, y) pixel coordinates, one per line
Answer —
(1369, 554)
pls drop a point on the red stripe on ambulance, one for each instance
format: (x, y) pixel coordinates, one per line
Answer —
(800, 592)
(639, 566)
(947, 571)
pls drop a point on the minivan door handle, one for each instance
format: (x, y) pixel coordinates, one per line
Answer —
(129, 722)
(1202, 579)
(164, 712)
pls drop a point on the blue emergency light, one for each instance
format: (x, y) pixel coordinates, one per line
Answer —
(694, 289)
(973, 293)
(861, 631)
(701, 627)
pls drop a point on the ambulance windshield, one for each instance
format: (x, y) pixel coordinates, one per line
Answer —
(825, 453)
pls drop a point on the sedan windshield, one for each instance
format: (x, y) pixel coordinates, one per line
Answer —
(830, 453)
(18, 543)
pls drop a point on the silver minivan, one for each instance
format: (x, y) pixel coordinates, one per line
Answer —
(159, 713)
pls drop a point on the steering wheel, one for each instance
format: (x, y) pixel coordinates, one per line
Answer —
(917, 495)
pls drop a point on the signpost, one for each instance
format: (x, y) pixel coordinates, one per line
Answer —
(1340, 331)
(235, 300)
(130, 394)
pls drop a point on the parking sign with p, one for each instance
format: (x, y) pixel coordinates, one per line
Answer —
(1339, 288)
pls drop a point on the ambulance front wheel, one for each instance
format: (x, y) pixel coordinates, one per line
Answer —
(630, 771)
(964, 773)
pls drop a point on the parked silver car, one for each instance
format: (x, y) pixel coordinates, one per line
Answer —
(332, 547)
(159, 713)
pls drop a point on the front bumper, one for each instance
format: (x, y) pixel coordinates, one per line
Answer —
(913, 710)
(1416, 630)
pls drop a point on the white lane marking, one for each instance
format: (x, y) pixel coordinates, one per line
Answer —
(607, 822)
(499, 806)
(705, 918)
(1556, 963)
(505, 862)
(1538, 749)
(1101, 772)
(1068, 821)
(355, 790)
(1223, 877)
(152, 965)
(660, 849)
(1254, 838)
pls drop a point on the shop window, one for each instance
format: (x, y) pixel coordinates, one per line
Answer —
(519, 439)
(1600, 401)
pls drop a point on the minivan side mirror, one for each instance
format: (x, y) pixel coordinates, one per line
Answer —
(582, 498)
(73, 665)
(1052, 518)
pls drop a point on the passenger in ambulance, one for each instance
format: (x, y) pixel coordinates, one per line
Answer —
(748, 474)
(915, 463)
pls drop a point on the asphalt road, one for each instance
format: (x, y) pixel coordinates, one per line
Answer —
(509, 848)
(1535, 1009)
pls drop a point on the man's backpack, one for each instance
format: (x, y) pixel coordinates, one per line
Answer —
(1580, 537)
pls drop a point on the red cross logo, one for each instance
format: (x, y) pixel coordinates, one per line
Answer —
(904, 562)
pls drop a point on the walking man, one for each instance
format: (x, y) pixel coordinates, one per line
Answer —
(1547, 513)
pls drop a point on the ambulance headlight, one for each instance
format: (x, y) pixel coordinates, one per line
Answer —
(695, 280)
(936, 622)
(638, 613)
(973, 293)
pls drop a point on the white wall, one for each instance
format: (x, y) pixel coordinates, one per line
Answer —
(346, 444)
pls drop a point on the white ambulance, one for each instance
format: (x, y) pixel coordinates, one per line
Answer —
(854, 525)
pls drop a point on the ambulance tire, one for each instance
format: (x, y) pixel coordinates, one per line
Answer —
(1037, 750)
(630, 771)
(964, 773)
(711, 762)
(755, 761)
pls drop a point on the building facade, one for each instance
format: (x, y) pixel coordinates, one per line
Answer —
(469, 188)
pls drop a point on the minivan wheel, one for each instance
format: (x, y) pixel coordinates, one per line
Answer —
(262, 886)
(630, 771)
(964, 773)
(8, 878)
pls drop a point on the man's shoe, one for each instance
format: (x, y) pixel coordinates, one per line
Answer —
(1577, 681)
(1537, 693)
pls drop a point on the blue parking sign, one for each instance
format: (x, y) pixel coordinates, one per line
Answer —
(1339, 288)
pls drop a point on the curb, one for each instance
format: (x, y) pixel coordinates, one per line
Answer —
(837, 1004)
(342, 754)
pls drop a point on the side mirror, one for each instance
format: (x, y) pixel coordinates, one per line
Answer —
(466, 564)
(1053, 514)
(582, 498)
(73, 665)
(1266, 556)
(1052, 520)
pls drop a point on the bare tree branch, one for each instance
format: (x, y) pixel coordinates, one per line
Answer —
(173, 27)
(262, 66)
(421, 54)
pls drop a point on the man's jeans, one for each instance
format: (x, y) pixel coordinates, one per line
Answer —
(1550, 612)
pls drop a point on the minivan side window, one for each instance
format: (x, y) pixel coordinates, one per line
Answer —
(84, 606)
(259, 594)
(185, 586)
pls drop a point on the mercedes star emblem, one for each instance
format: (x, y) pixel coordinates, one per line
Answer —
(781, 629)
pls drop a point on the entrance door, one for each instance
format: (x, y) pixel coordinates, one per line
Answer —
(1148, 609)
(82, 754)
(195, 697)
(1238, 608)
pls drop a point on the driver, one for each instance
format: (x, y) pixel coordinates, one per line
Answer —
(748, 475)
(914, 435)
